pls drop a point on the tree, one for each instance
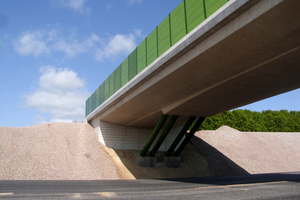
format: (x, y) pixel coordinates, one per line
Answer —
(246, 120)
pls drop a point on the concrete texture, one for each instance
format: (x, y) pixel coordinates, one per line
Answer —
(192, 164)
(172, 161)
(245, 52)
(133, 138)
(147, 161)
(159, 160)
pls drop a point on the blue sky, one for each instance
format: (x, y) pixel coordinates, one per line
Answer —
(55, 53)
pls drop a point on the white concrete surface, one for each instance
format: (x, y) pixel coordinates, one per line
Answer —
(122, 137)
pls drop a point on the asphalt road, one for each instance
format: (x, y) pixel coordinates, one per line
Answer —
(263, 186)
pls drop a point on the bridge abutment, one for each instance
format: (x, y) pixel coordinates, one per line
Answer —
(132, 138)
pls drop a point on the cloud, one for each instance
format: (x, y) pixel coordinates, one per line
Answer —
(59, 80)
(131, 2)
(76, 5)
(31, 43)
(73, 47)
(46, 41)
(39, 120)
(138, 32)
(61, 93)
(43, 42)
(118, 45)
(109, 6)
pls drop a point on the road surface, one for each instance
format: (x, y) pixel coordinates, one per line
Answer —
(263, 186)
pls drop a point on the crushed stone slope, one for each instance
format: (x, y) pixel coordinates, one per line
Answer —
(255, 152)
(53, 151)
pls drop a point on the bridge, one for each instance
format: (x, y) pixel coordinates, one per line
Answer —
(206, 57)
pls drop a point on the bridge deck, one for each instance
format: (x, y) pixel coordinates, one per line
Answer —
(245, 52)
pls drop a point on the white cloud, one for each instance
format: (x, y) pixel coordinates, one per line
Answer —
(73, 47)
(41, 42)
(76, 5)
(118, 45)
(62, 79)
(46, 41)
(39, 120)
(61, 93)
(131, 2)
(31, 43)
(138, 32)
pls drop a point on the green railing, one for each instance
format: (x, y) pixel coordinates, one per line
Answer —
(183, 19)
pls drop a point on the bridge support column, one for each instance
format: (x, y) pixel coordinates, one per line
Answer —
(164, 135)
(180, 135)
(154, 134)
(189, 136)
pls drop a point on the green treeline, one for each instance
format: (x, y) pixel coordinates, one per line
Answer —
(246, 120)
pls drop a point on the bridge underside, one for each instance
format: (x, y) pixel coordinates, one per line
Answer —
(254, 56)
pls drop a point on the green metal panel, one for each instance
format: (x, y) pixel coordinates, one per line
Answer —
(194, 13)
(151, 47)
(112, 83)
(101, 93)
(97, 97)
(178, 26)
(141, 57)
(93, 101)
(90, 104)
(163, 33)
(118, 78)
(106, 89)
(86, 107)
(125, 71)
(132, 67)
(212, 6)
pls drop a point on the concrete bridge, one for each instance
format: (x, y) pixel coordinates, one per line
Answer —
(240, 52)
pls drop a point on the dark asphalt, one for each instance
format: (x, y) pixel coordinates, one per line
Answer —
(262, 186)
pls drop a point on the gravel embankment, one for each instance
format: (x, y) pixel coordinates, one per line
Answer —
(53, 151)
(231, 152)
(71, 151)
